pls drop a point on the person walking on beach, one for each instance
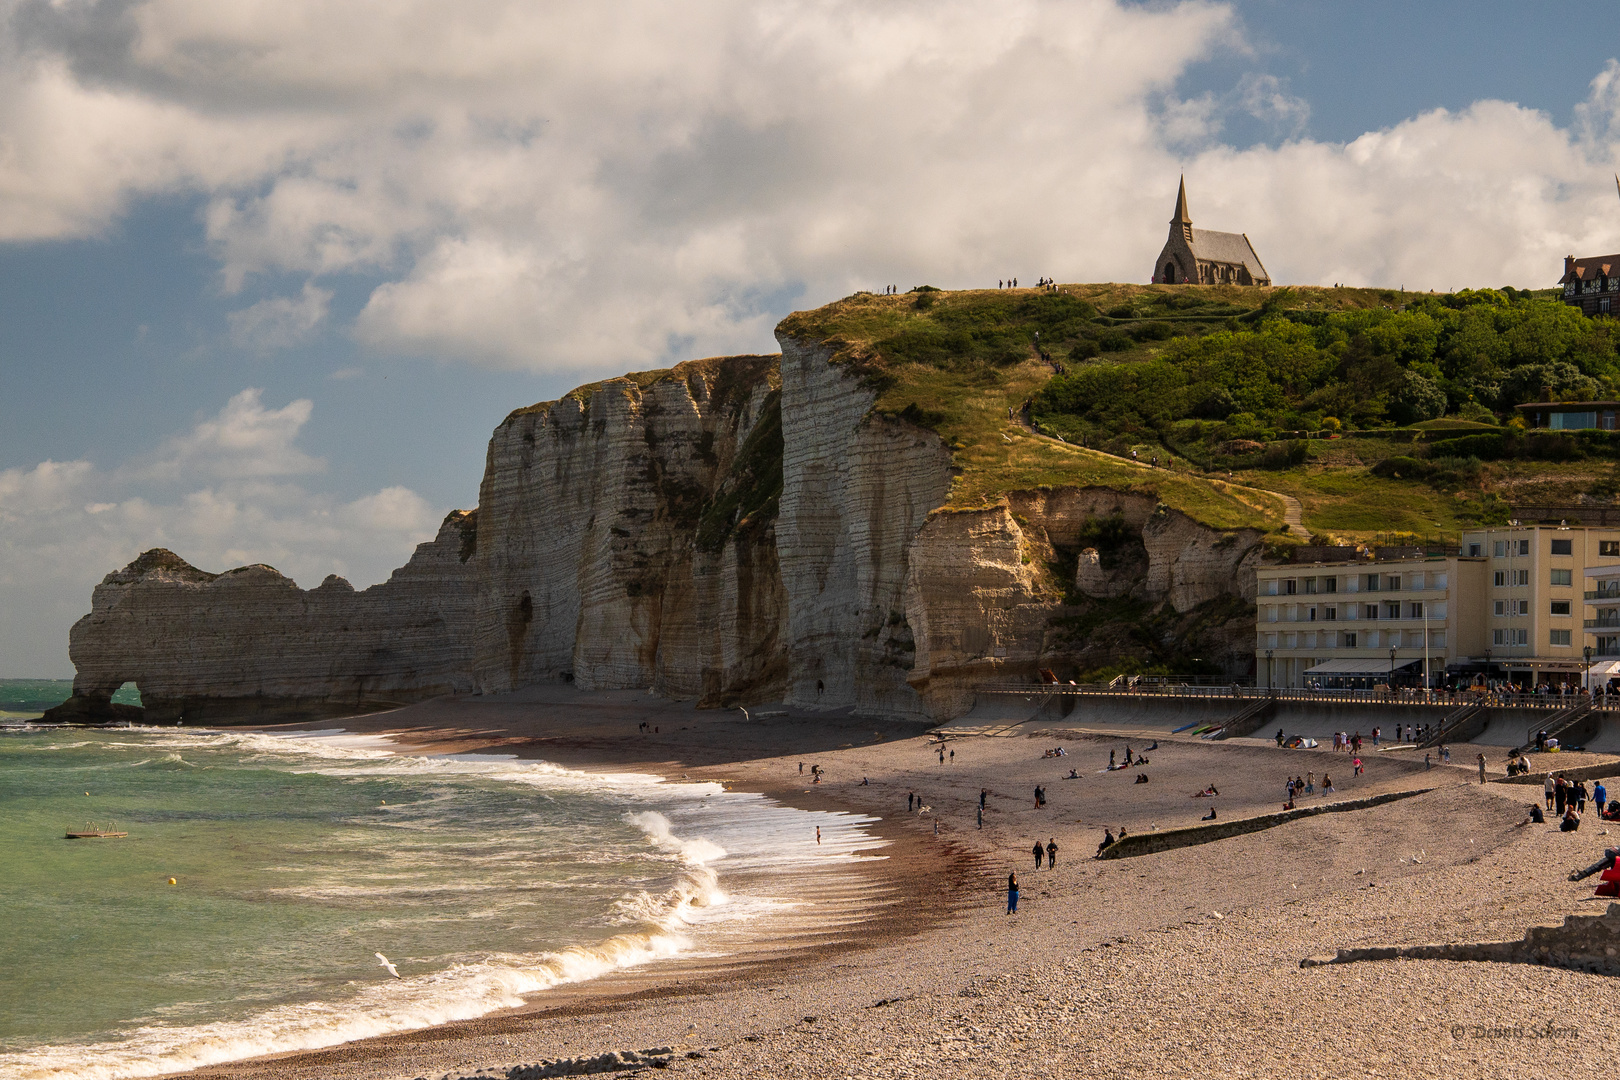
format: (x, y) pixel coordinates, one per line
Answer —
(1051, 854)
(984, 793)
(981, 817)
(1560, 794)
(1327, 783)
(818, 835)
(1356, 764)
(1547, 790)
(911, 797)
(1482, 768)
(1040, 852)
(1012, 893)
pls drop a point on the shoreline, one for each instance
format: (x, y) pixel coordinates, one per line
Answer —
(1127, 967)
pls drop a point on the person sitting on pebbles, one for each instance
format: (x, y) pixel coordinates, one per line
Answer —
(1572, 820)
(1107, 842)
(1535, 817)
(1209, 816)
(1141, 778)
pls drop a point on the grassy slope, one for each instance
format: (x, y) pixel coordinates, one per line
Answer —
(969, 406)
(970, 402)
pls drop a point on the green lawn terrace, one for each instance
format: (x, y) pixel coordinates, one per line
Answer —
(1378, 410)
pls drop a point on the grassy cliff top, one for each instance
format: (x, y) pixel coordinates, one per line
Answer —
(727, 379)
(1379, 410)
(956, 362)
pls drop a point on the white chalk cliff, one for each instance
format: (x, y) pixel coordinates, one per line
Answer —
(738, 529)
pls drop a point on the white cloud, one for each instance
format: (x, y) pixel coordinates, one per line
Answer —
(65, 525)
(245, 439)
(578, 185)
(280, 322)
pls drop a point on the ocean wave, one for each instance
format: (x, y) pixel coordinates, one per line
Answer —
(460, 992)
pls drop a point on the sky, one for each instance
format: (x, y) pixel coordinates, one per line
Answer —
(272, 270)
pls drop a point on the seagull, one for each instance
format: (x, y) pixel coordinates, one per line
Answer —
(392, 970)
(745, 713)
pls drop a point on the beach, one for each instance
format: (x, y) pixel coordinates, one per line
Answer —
(1166, 964)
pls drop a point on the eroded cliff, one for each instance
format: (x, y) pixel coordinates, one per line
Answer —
(249, 643)
(737, 529)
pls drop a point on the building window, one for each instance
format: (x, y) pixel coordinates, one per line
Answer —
(1520, 637)
(1609, 549)
(1394, 583)
(1310, 586)
(1560, 637)
(1524, 547)
(1522, 577)
(1392, 609)
(1330, 584)
(1501, 607)
(1414, 610)
(1289, 587)
(1372, 582)
(1437, 640)
(1369, 611)
(1562, 577)
(1499, 579)
(1349, 640)
(1330, 614)
(1499, 549)
(1563, 547)
(1313, 616)
(1560, 607)
(1473, 551)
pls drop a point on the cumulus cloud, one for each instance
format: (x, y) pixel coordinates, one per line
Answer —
(64, 525)
(575, 185)
(280, 322)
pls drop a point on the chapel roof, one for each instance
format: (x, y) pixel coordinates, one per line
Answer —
(1227, 247)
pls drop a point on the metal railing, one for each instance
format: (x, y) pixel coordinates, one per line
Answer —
(1447, 699)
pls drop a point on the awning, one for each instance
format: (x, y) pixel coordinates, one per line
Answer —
(1367, 668)
(1606, 668)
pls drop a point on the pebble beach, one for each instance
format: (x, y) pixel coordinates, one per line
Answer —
(1178, 963)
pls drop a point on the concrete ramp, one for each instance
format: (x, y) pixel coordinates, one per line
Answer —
(993, 714)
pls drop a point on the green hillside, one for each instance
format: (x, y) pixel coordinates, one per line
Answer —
(1380, 411)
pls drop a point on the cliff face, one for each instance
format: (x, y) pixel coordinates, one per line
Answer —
(617, 547)
(986, 598)
(250, 642)
(856, 489)
(739, 529)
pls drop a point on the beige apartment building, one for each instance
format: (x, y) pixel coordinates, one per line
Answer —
(1350, 623)
(1521, 602)
(1539, 609)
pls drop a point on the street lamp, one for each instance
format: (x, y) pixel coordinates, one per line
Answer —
(1392, 667)
(1586, 676)
(1268, 669)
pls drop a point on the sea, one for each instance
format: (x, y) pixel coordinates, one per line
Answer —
(262, 875)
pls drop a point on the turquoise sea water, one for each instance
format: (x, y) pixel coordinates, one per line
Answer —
(295, 860)
(22, 698)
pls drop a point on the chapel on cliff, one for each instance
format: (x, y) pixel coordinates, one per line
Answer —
(1205, 257)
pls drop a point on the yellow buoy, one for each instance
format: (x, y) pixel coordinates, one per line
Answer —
(173, 882)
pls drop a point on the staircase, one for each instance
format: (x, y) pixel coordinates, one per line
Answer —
(1454, 722)
(1249, 720)
(1560, 723)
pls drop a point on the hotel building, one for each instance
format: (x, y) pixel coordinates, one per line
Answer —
(1518, 603)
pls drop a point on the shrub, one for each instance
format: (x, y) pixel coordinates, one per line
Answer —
(1399, 468)
(1486, 445)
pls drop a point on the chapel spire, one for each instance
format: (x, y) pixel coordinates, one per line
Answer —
(1183, 219)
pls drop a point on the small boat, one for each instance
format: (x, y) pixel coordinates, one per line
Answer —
(93, 835)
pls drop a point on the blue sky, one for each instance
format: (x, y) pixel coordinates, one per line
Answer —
(270, 273)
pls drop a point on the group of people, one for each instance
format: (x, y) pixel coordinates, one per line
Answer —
(1056, 751)
(1108, 841)
(1306, 785)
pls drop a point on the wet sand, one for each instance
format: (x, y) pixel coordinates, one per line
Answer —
(1180, 962)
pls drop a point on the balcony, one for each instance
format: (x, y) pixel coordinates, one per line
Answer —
(1601, 595)
(1603, 624)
